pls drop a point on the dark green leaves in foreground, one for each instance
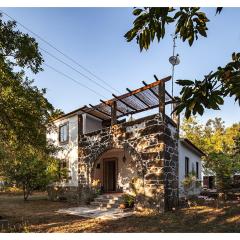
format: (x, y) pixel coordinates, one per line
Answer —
(25, 113)
(190, 24)
(219, 10)
(150, 24)
(19, 48)
(210, 92)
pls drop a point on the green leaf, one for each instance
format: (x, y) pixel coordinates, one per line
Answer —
(202, 32)
(187, 114)
(219, 10)
(184, 82)
(137, 11)
(177, 14)
(200, 109)
(190, 40)
(192, 104)
(180, 108)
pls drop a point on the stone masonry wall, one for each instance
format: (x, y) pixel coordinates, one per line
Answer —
(152, 145)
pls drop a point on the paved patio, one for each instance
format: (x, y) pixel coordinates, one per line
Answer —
(91, 212)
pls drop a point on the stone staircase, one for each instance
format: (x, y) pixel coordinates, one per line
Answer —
(107, 201)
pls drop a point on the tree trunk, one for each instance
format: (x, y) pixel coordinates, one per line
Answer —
(26, 192)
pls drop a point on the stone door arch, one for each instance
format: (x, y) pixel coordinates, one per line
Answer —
(152, 145)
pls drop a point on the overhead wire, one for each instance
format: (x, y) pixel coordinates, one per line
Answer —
(68, 65)
(66, 56)
(74, 80)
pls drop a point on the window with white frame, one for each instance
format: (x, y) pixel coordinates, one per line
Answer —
(63, 133)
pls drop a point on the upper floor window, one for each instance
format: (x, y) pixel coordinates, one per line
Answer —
(63, 133)
(186, 166)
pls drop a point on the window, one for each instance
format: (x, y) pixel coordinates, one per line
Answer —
(63, 170)
(63, 133)
(186, 166)
(197, 170)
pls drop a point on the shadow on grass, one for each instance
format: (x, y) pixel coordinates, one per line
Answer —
(40, 216)
(197, 219)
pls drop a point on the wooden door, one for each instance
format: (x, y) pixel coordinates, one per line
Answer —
(109, 175)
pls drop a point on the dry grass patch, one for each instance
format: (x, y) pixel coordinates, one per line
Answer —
(39, 215)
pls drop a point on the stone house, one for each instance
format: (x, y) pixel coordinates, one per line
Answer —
(139, 157)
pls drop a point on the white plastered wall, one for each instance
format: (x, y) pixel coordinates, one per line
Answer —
(69, 151)
(185, 151)
(91, 124)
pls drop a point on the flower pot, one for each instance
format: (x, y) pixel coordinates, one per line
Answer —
(122, 206)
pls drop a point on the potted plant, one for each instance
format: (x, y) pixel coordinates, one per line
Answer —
(128, 201)
(96, 186)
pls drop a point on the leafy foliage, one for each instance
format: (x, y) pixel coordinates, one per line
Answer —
(29, 168)
(189, 184)
(19, 48)
(190, 23)
(210, 92)
(219, 10)
(150, 24)
(128, 200)
(220, 144)
(25, 154)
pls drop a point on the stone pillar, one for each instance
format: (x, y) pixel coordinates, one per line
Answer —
(114, 113)
(171, 168)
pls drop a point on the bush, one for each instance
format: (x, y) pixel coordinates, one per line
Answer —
(189, 184)
(128, 200)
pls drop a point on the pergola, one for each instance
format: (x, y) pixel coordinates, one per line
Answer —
(148, 97)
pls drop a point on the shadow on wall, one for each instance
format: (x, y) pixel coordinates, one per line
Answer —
(126, 169)
(68, 152)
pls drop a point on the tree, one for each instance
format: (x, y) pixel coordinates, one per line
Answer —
(29, 168)
(25, 154)
(191, 129)
(24, 109)
(220, 144)
(190, 23)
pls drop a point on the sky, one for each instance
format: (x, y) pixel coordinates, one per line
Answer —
(94, 38)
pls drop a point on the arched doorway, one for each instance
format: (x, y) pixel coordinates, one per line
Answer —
(115, 170)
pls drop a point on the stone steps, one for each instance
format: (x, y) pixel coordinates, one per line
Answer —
(107, 201)
(111, 201)
(104, 205)
(108, 198)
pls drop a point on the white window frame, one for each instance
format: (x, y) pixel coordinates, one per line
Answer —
(63, 136)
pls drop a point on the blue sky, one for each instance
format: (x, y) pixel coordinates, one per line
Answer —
(94, 38)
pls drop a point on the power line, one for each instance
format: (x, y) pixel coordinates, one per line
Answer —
(68, 65)
(74, 80)
(65, 55)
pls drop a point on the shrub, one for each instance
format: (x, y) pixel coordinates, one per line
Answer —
(128, 200)
(189, 184)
